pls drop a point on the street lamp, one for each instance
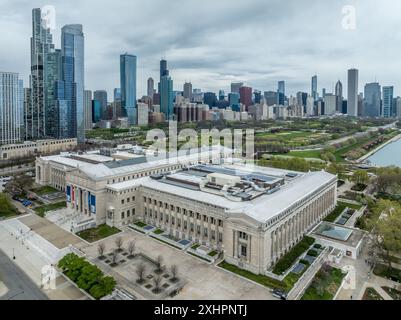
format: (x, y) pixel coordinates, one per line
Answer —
(13, 254)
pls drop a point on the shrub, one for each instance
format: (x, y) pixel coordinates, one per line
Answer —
(312, 253)
(289, 258)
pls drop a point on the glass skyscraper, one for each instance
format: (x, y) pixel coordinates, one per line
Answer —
(372, 100)
(128, 87)
(166, 91)
(314, 88)
(352, 102)
(388, 94)
(10, 108)
(70, 93)
(41, 45)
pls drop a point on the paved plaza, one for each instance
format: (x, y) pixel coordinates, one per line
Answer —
(51, 232)
(203, 281)
(24, 273)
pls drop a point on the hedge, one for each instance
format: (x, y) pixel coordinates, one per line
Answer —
(289, 258)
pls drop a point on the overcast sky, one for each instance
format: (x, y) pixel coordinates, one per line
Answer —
(214, 42)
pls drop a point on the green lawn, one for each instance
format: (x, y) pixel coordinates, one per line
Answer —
(7, 209)
(158, 231)
(49, 207)
(261, 279)
(140, 224)
(339, 209)
(313, 154)
(44, 190)
(100, 232)
(325, 284)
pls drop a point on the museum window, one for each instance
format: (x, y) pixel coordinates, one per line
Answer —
(122, 201)
(122, 215)
(243, 251)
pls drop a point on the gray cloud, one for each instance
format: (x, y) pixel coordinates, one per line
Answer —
(213, 43)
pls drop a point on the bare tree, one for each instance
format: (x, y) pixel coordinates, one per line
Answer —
(114, 256)
(140, 271)
(157, 281)
(119, 243)
(131, 248)
(174, 272)
(100, 249)
(159, 264)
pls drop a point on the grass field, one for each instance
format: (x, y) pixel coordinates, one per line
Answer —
(44, 190)
(313, 154)
(49, 207)
(100, 232)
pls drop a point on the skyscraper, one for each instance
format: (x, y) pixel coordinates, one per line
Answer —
(352, 101)
(88, 109)
(101, 96)
(53, 73)
(245, 94)
(388, 93)
(166, 91)
(70, 90)
(166, 97)
(235, 86)
(41, 43)
(151, 87)
(339, 96)
(10, 108)
(372, 101)
(280, 92)
(188, 90)
(314, 88)
(128, 87)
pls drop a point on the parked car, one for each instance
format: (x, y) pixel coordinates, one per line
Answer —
(280, 294)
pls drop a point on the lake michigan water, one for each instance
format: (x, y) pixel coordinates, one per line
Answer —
(390, 155)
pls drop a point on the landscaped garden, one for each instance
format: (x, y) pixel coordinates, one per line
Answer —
(49, 207)
(339, 209)
(393, 293)
(325, 284)
(100, 232)
(86, 276)
(384, 271)
(371, 294)
(285, 262)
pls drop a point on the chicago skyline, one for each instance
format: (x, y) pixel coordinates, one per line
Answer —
(213, 62)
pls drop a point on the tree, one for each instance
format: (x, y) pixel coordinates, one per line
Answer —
(140, 271)
(119, 243)
(114, 257)
(19, 183)
(387, 230)
(360, 177)
(159, 264)
(174, 272)
(157, 281)
(100, 249)
(131, 248)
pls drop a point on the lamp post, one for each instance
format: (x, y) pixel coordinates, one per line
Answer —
(13, 254)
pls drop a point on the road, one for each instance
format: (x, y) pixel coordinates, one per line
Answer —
(20, 286)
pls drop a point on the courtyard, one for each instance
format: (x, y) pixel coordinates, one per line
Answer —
(201, 279)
